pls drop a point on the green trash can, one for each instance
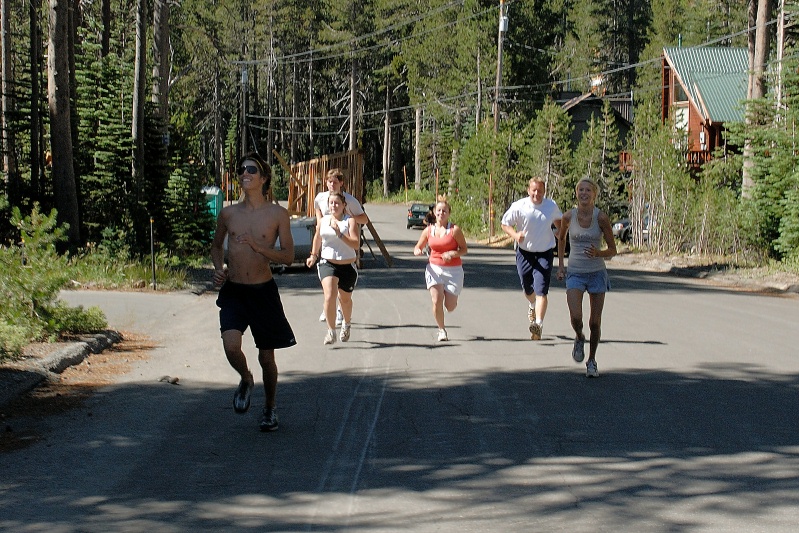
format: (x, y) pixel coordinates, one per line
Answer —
(214, 199)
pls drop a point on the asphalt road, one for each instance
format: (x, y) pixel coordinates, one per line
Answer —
(692, 426)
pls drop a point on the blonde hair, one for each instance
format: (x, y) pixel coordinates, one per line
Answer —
(590, 182)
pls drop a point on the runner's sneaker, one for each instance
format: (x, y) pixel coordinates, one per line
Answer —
(241, 398)
(578, 351)
(269, 421)
(330, 338)
(339, 317)
(591, 369)
(531, 313)
(535, 331)
(345, 333)
(442, 335)
(322, 317)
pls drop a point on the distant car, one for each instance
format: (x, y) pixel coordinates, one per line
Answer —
(623, 229)
(417, 214)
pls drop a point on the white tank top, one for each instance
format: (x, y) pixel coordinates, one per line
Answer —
(332, 246)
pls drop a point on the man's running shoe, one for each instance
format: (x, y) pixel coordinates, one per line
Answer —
(241, 398)
(578, 351)
(535, 331)
(269, 421)
(339, 317)
(330, 338)
(322, 317)
(591, 369)
(531, 313)
(442, 335)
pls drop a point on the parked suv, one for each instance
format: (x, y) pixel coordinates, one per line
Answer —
(417, 214)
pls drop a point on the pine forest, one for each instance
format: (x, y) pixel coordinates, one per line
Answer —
(116, 113)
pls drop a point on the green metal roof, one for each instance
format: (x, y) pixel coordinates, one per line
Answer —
(714, 78)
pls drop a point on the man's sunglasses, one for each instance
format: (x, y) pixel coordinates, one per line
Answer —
(250, 169)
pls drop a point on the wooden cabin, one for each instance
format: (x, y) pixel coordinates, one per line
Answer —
(704, 88)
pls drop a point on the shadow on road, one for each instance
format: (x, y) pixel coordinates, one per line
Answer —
(546, 441)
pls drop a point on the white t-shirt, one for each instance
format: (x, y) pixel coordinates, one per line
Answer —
(353, 207)
(535, 220)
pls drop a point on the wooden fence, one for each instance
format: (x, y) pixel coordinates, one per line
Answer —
(307, 179)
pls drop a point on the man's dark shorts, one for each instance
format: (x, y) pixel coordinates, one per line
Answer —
(259, 307)
(535, 270)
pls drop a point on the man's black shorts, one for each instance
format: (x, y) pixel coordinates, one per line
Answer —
(259, 307)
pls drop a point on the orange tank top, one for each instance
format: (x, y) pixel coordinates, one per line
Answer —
(445, 243)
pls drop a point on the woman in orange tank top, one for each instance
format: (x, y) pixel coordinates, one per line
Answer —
(444, 272)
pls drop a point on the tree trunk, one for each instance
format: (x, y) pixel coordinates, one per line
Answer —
(387, 143)
(137, 121)
(453, 169)
(478, 111)
(66, 198)
(310, 107)
(757, 81)
(417, 152)
(762, 34)
(752, 18)
(270, 102)
(9, 160)
(36, 160)
(161, 59)
(106, 35)
(219, 148)
(352, 104)
(293, 113)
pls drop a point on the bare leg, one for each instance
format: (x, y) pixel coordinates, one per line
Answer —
(597, 303)
(330, 286)
(345, 299)
(574, 298)
(269, 369)
(450, 301)
(541, 303)
(231, 342)
(437, 295)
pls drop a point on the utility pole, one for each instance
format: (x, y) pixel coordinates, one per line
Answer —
(503, 27)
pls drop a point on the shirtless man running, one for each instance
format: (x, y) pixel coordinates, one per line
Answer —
(249, 295)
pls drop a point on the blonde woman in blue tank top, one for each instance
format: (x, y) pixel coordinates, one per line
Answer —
(586, 227)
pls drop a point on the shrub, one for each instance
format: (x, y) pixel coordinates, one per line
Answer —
(32, 274)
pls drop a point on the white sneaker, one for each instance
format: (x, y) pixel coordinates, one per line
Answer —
(330, 338)
(339, 317)
(322, 317)
(345, 333)
(578, 350)
(442, 335)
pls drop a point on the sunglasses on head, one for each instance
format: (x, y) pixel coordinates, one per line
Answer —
(250, 169)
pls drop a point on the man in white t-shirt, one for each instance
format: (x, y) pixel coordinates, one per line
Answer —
(334, 181)
(529, 223)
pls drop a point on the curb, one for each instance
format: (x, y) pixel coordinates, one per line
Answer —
(15, 382)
